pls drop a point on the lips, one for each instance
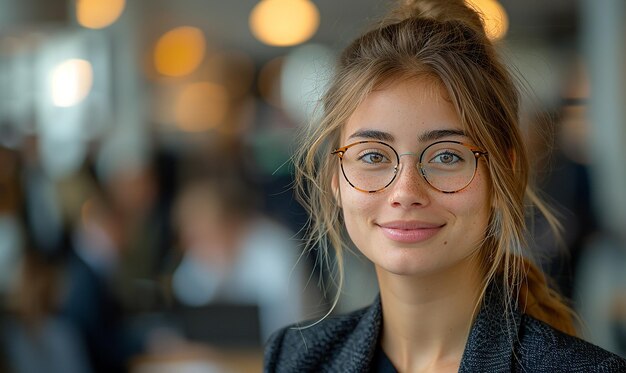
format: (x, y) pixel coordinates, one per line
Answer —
(409, 231)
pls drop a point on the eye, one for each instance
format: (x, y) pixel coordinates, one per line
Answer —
(373, 157)
(446, 157)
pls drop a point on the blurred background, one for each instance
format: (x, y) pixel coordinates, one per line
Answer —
(146, 218)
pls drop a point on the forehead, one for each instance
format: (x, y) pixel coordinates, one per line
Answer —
(405, 108)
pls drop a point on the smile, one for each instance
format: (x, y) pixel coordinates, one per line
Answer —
(409, 232)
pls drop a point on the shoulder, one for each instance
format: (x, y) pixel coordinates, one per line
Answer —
(333, 344)
(544, 348)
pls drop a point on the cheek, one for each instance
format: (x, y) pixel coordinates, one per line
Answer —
(477, 206)
(356, 207)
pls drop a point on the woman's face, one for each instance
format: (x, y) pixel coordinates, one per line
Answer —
(410, 228)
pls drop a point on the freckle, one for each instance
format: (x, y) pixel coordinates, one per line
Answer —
(445, 242)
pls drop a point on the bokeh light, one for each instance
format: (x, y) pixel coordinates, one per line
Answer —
(305, 76)
(284, 22)
(71, 82)
(97, 14)
(201, 106)
(494, 17)
(179, 51)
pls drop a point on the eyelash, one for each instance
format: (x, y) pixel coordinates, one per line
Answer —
(450, 153)
(367, 153)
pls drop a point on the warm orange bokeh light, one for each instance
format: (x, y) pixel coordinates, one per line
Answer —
(71, 82)
(179, 51)
(284, 22)
(201, 106)
(494, 17)
(97, 14)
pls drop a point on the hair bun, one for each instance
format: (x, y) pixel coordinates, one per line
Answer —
(440, 10)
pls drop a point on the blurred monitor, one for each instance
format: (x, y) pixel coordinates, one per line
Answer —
(222, 325)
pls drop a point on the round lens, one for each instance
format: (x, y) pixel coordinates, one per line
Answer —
(448, 166)
(369, 165)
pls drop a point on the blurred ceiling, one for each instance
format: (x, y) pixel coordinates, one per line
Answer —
(226, 22)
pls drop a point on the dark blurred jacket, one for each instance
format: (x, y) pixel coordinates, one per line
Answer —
(90, 305)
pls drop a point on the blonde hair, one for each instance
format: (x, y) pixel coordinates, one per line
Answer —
(442, 41)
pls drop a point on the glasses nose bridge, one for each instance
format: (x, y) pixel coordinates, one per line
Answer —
(407, 153)
(417, 164)
(417, 161)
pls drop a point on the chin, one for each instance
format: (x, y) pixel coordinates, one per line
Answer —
(404, 270)
(419, 261)
(407, 262)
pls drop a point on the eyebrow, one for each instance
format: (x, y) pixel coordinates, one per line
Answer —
(439, 134)
(372, 134)
(424, 137)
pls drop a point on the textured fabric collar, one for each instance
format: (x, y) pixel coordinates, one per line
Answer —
(358, 351)
(489, 345)
(491, 341)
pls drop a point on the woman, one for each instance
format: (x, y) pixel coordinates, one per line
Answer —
(419, 157)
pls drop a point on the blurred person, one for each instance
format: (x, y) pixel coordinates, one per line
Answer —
(418, 160)
(34, 335)
(231, 253)
(10, 226)
(90, 301)
(565, 185)
(601, 292)
(37, 338)
(43, 209)
(129, 172)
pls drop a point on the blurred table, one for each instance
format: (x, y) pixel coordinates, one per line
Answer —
(197, 358)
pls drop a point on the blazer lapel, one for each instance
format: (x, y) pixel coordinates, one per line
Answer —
(493, 336)
(489, 348)
(357, 352)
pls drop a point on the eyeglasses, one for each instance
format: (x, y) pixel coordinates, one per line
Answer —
(371, 166)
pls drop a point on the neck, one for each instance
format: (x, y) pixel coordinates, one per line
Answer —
(426, 319)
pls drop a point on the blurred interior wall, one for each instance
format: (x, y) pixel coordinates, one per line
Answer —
(603, 33)
(21, 13)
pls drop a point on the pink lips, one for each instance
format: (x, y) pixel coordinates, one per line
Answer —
(409, 231)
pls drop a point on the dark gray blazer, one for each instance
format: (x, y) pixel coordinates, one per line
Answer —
(520, 344)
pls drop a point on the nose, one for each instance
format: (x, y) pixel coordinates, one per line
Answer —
(409, 189)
